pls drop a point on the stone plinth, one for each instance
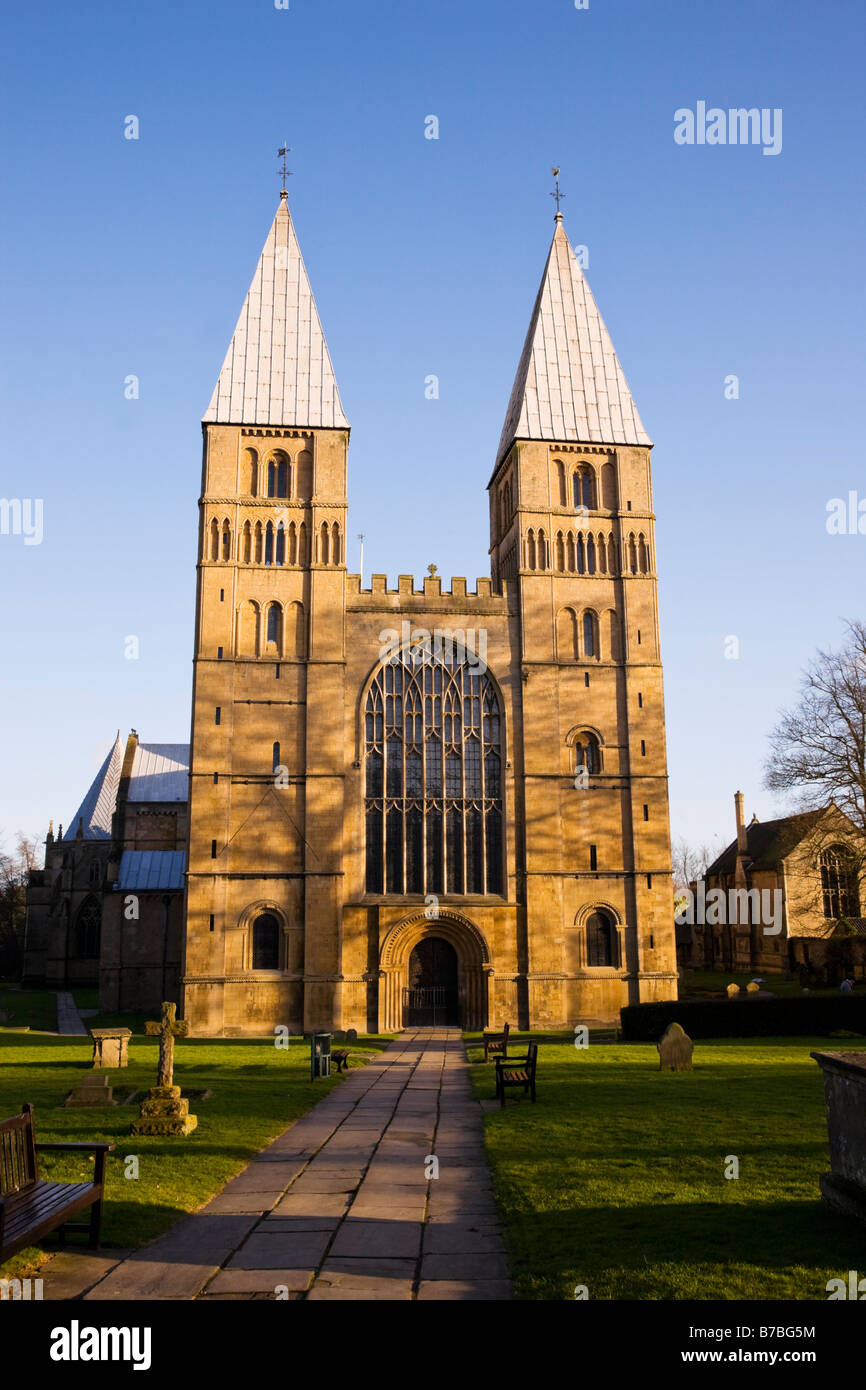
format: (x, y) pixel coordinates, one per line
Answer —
(110, 1047)
(844, 1187)
(92, 1089)
(164, 1112)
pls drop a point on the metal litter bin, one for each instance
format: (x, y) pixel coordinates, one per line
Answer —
(320, 1055)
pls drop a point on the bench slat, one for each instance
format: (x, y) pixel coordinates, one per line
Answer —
(41, 1202)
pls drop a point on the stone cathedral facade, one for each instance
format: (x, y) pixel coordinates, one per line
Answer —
(434, 804)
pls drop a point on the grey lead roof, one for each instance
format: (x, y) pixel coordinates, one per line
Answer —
(150, 870)
(569, 384)
(97, 808)
(160, 772)
(278, 370)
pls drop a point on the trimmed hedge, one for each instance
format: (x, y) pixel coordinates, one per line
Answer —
(818, 1016)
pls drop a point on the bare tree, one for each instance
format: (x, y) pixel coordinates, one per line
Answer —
(818, 748)
(690, 862)
(15, 866)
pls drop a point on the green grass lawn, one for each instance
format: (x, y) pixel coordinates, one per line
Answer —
(701, 982)
(615, 1180)
(27, 1008)
(257, 1091)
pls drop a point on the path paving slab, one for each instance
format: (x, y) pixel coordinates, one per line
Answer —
(389, 1239)
(464, 1290)
(70, 1273)
(250, 1281)
(278, 1250)
(464, 1266)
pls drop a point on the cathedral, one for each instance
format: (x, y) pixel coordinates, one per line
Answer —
(419, 804)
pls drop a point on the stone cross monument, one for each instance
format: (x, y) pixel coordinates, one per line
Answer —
(163, 1111)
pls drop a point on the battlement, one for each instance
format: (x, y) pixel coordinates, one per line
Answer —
(379, 595)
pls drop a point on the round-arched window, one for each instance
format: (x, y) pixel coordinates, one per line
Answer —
(602, 941)
(266, 942)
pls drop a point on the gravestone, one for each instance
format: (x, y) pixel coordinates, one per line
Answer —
(351, 1035)
(732, 991)
(675, 1049)
(753, 987)
(163, 1111)
(92, 1090)
(844, 1187)
(110, 1047)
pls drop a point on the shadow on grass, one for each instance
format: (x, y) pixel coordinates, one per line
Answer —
(671, 1249)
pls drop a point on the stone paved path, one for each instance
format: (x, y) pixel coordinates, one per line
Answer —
(340, 1207)
(68, 1018)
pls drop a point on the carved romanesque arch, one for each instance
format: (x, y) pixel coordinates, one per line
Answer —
(474, 964)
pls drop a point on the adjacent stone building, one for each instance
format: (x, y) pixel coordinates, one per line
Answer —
(107, 908)
(806, 869)
(435, 803)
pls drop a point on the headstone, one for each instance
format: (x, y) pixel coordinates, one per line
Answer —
(753, 987)
(844, 1187)
(675, 1049)
(351, 1035)
(732, 991)
(110, 1047)
(163, 1111)
(92, 1090)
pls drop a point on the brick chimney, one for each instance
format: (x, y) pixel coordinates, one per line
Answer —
(742, 841)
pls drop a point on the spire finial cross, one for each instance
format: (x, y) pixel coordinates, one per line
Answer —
(284, 173)
(556, 193)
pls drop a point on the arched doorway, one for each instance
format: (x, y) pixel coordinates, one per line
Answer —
(431, 997)
(465, 970)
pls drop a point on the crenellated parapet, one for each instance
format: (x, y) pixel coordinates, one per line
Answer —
(430, 596)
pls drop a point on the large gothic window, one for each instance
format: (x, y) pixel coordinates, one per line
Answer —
(839, 882)
(433, 776)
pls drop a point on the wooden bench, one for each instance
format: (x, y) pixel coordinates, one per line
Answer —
(496, 1044)
(31, 1207)
(517, 1071)
(341, 1057)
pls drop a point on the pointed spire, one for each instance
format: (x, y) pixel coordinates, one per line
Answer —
(569, 383)
(278, 370)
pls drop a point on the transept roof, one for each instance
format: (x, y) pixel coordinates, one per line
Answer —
(95, 812)
(160, 772)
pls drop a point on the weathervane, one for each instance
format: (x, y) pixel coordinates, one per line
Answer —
(283, 171)
(556, 194)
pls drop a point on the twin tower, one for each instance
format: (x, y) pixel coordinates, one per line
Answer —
(467, 825)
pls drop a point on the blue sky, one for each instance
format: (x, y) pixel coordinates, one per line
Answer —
(132, 257)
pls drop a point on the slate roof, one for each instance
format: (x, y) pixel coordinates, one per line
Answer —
(768, 842)
(278, 370)
(97, 808)
(160, 772)
(569, 384)
(151, 870)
